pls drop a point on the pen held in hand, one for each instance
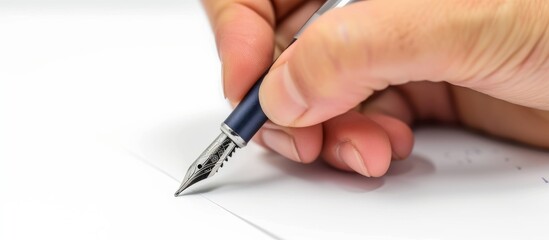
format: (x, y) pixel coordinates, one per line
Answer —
(242, 124)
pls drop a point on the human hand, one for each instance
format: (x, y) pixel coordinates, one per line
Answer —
(350, 88)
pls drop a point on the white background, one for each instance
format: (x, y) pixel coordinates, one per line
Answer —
(74, 77)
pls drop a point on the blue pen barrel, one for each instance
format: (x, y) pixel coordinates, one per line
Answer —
(248, 117)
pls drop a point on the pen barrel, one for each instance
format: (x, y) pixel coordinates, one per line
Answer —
(248, 117)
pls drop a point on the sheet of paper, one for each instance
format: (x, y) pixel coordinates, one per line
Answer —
(456, 185)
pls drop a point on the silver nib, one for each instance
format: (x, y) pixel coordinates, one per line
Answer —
(208, 162)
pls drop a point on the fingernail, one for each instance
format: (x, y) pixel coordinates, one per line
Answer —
(282, 143)
(347, 153)
(281, 98)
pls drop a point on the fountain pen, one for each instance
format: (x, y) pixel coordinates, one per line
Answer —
(242, 124)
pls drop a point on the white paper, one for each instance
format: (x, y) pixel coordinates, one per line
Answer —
(456, 185)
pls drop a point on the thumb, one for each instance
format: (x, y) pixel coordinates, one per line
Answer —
(495, 47)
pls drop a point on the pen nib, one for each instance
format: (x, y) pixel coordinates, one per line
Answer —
(208, 162)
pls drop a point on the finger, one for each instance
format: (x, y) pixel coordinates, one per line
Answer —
(397, 108)
(244, 36)
(390, 102)
(298, 144)
(502, 119)
(429, 102)
(349, 53)
(393, 112)
(354, 142)
(399, 133)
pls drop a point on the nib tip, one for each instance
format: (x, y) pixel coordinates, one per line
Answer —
(179, 191)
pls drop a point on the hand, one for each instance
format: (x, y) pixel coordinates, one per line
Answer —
(350, 88)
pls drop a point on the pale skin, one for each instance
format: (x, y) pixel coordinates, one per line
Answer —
(350, 89)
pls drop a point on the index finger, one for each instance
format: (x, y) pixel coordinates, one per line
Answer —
(244, 33)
